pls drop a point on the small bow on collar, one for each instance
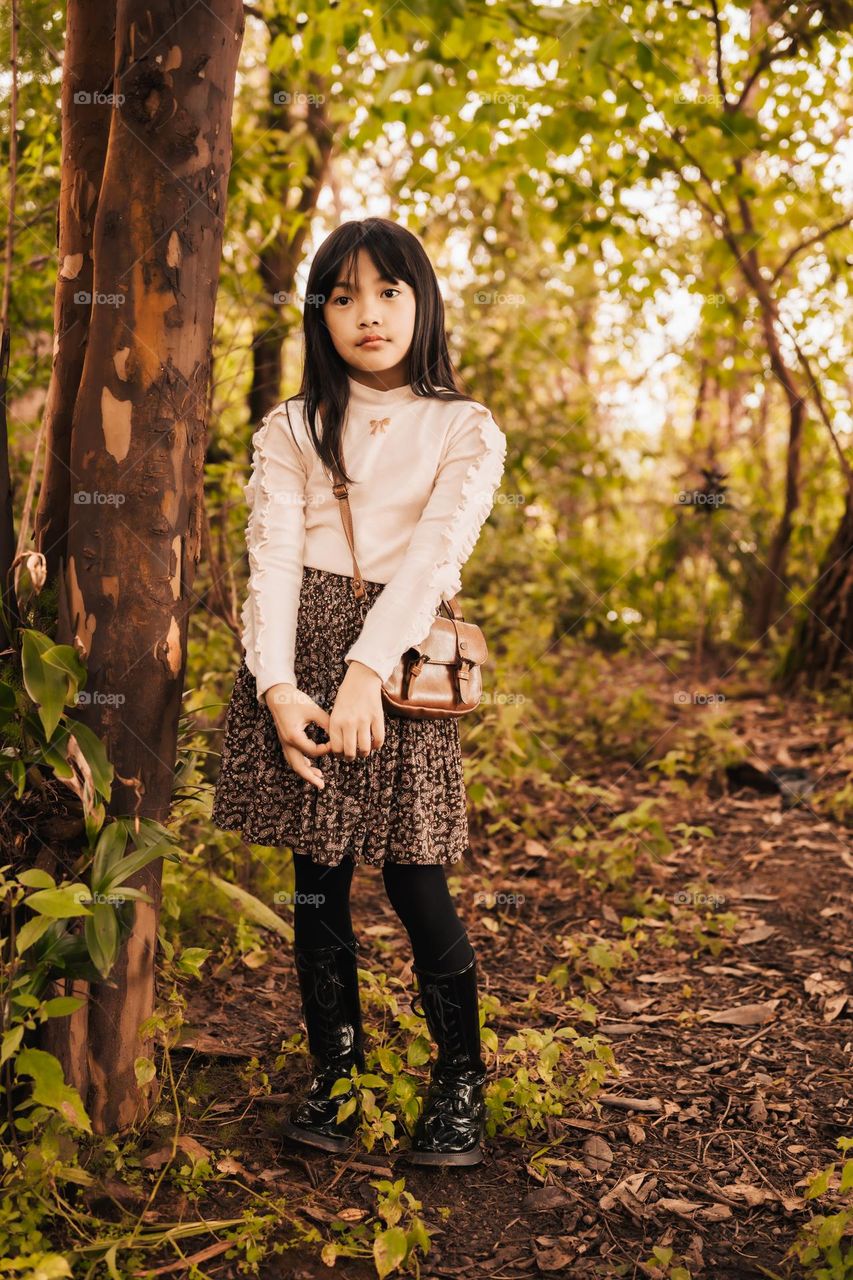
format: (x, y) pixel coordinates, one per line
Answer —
(378, 424)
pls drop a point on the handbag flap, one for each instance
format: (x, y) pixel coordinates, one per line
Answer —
(441, 643)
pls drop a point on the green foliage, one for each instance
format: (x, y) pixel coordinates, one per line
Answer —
(820, 1245)
(70, 928)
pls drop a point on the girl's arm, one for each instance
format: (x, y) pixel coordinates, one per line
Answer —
(275, 538)
(468, 476)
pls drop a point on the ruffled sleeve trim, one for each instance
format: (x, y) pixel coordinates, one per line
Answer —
(460, 535)
(260, 499)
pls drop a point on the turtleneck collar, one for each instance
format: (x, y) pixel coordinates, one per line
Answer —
(369, 398)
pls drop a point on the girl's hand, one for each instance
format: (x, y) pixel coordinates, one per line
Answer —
(291, 709)
(357, 722)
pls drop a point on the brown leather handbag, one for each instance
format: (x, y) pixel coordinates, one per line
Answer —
(441, 677)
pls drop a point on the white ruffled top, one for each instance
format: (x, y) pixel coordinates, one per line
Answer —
(425, 475)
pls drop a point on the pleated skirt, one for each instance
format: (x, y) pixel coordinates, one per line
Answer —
(405, 802)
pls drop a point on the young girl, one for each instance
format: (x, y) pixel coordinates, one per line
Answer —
(309, 759)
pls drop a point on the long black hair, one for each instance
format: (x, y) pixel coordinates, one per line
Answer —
(398, 255)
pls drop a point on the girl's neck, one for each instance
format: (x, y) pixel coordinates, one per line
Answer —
(362, 396)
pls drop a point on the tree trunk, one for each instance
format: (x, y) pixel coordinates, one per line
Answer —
(138, 449)
(773, 575)
(87, 73)
(822, 645)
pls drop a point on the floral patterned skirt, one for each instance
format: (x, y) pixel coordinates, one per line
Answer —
(405, 802)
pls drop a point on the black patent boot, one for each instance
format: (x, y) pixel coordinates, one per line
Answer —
(449, 1130)
(328, 981)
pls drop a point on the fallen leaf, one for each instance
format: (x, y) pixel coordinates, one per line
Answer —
(630, 1104)
(543, 1199)
(597, 1154)
(819, 984)
(744, 1015)
(834, 1006)
(714, 1212)
(759, 933)
(679, 1206)
(630, 1192)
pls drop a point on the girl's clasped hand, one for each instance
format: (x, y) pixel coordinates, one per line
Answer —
(355, 726)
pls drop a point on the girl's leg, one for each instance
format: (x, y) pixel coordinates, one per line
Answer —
(421, 898)
(325, 952)
(321, 911)
(450, 1128)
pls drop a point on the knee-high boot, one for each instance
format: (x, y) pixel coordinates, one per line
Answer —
(451, 1126)
(328, 982)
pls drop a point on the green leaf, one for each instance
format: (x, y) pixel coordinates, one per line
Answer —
(31, 932)
(135, 862)
(61, 1006)
(101, 932)
(62, 903)
(64, 658)
(96, 756)
(253, 907)
(37, 878)
(109, 850)
(11, 1043)
(191, 959)
(346, 1109)
(144, 1070)
(49, 1087)
(45, 682)
(19, 777)
(419, 1051)
(389, 1250)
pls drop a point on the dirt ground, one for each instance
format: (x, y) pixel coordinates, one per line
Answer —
(735, 1067)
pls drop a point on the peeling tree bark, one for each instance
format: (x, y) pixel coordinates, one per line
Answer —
(138, 448)
(86, 112)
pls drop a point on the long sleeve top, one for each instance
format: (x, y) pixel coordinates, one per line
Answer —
(425, 474)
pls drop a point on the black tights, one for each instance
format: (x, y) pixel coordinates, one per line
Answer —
(418, 894)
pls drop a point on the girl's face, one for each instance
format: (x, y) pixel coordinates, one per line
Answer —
(380, 309)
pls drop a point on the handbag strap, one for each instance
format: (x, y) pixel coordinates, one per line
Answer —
(341, 492)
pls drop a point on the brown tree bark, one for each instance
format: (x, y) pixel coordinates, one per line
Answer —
(773, 576)
(86, 112)
(138, 448)
(822, 646)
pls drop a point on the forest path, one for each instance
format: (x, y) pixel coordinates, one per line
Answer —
(732, 1035)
